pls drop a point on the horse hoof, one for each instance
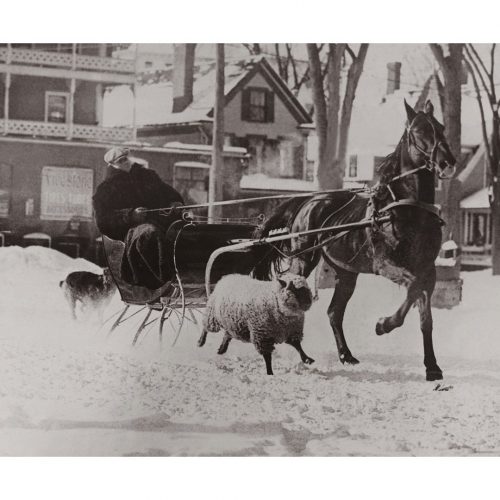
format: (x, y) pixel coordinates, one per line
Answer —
(349, 359)
(379, 327)
(431, 376)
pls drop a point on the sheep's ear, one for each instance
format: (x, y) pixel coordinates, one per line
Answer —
(410, 112)
(282, 283)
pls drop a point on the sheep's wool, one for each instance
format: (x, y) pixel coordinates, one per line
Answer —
(261, 312)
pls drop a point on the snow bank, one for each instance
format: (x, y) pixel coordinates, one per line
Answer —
(68, 389)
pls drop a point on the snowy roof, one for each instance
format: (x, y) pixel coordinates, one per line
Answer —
(472, 164)
(262, 181)
(200, 110)
(376, 124)
(174, 145)
(479, 199)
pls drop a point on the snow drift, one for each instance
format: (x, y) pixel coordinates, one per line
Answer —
(69, 390)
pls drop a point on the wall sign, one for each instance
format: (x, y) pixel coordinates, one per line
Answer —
(66, 192)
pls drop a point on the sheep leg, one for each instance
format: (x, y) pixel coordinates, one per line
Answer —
(225, 343)
(303, 356)
(203, 338)
(268, 359)
(265, 347)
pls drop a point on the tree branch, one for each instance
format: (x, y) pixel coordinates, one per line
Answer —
(437, 50)
(350, 52)
(476, 57)
(317, 90)
(469, 50)
(481, 111)
(492, 73)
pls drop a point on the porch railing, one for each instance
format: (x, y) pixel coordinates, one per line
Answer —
(64, 60)
(63, 130)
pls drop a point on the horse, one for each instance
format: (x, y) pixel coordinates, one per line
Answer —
(403, 248)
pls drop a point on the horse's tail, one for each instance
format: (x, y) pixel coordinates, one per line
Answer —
(268, 256)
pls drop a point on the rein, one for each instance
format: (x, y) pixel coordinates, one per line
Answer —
(429, 165)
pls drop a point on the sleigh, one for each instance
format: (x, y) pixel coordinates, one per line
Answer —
(203, 251)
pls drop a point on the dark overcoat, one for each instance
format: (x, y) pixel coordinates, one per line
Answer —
(121, 192)
(147, 259)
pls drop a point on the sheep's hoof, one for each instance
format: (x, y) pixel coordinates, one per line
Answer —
(308, 361)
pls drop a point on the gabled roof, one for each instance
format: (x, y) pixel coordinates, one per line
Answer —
(236, 77)
(479, 199)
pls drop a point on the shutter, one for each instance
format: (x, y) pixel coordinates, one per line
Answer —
(269, 106)
(245, 105)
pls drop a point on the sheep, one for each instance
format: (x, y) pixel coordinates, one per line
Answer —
(262, 312)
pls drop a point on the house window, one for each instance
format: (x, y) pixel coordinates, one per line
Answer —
(5, 189)
(353, 166)
(257, 105)
(56, 107)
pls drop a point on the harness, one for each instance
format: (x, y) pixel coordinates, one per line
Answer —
(430, 165)
(376, 219)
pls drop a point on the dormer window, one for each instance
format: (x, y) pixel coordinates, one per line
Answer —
(56, 107)
(257, 105)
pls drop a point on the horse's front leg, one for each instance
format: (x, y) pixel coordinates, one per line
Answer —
(433, 372)
(389, 323)
(344, 288)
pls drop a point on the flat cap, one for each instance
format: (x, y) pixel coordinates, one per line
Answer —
(115, 154)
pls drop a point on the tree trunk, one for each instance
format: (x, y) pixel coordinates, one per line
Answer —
(495, 204)
(451, 66)
(353, 77)
(333, 119)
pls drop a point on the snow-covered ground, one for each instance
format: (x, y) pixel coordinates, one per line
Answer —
(68, 389)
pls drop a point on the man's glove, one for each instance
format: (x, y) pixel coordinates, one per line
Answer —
(138, 215)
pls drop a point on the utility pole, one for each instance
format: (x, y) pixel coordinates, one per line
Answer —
(216, 169)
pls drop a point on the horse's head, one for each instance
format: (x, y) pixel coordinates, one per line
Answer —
(426, 142)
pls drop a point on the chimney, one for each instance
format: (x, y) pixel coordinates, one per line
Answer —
(393, 77)
(183, 76)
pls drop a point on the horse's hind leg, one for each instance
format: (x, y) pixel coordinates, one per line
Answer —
(433, 372)
(389, 323)
(344, 288)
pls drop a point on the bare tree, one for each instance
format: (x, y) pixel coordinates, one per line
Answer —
(333, 107)
(483, 79)
(451, 68)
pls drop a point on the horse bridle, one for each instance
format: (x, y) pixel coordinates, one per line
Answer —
(430, 163)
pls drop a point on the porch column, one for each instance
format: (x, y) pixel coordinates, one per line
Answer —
(99, 91)
(71, 111)
(71, 105)
(7, 92)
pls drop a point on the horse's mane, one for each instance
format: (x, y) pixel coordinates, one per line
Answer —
(281, 217)
(390, 166)
(267, 258)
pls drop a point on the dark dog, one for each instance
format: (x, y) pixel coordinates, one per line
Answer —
(93, 291)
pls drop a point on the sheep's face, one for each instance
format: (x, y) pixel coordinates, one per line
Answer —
(294, 292)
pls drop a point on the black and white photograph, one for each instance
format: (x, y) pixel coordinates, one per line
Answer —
(249, 249)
